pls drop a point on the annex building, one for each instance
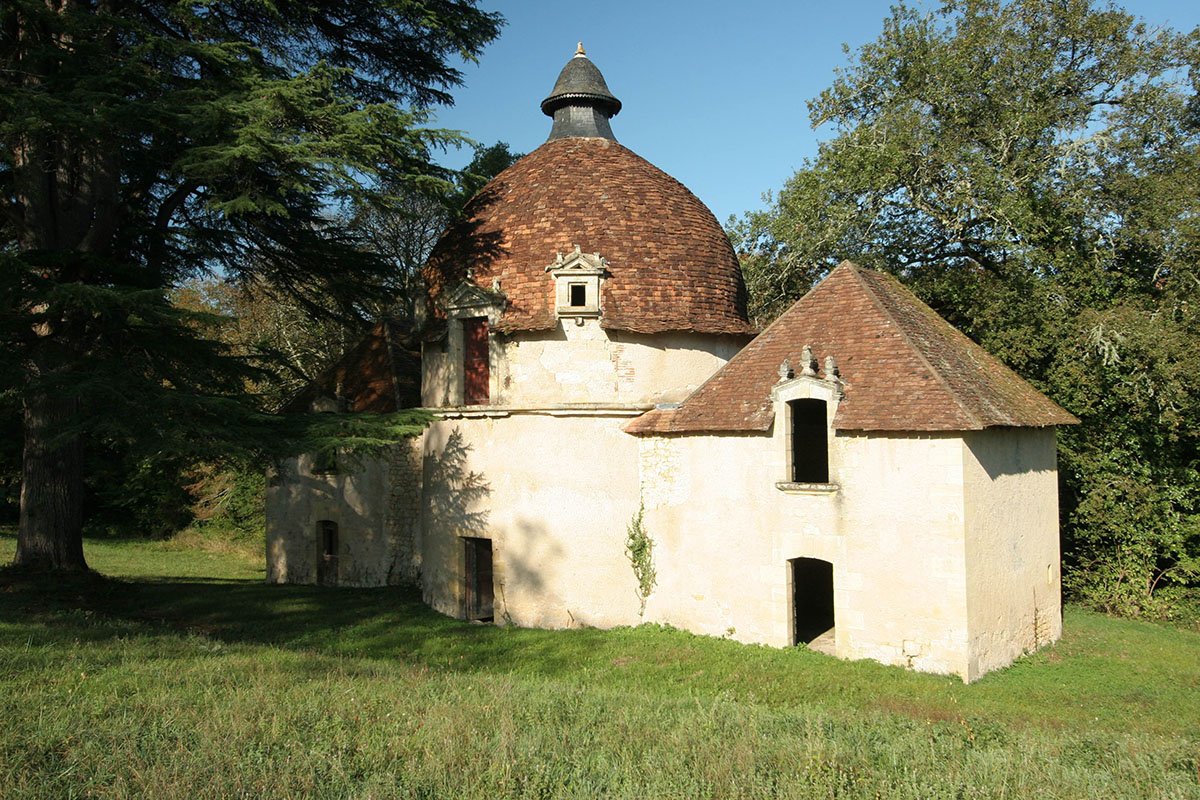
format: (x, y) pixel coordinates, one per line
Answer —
(859, 476)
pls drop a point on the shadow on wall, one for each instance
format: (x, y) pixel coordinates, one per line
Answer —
(526, 555)
(465, 244)
(1014, 451)
(454, 493)
(343, 498)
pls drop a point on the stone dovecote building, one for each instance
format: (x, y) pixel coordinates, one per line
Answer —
(860, 476)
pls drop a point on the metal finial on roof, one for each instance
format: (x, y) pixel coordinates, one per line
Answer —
(580, 101)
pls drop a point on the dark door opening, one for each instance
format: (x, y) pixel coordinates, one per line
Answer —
(812, 599)
(327, 553)
(480, 597)
(475, 361)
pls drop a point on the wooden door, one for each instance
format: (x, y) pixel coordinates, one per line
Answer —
(480, 595)
(475, 361)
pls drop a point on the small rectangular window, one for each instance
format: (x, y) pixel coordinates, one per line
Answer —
(476, 361)
(578, 295)
(325, 462)
(810, 441)
(327, 552)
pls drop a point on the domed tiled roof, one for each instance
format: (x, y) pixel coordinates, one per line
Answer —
(670, 265)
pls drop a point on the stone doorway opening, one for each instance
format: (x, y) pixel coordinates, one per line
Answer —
(812, 604)
(327, 553)
(479, 594)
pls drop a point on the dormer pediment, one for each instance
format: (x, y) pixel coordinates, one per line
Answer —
(579, 263)
(577, 276)
(805, 382)
(468, 295)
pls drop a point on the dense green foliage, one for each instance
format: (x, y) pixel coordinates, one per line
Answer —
(1031, 169)
(186, 676)
(145, 144)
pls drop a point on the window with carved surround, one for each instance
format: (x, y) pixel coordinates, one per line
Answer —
(577, 279)
(471, 313)
(805, 404)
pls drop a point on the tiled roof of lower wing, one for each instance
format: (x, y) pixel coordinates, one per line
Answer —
(903, 367)
(381, 374)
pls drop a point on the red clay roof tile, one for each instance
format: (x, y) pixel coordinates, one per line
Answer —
(904, 368)
(671, 267)
(380, 374)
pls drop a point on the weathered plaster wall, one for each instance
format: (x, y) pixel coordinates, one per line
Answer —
(554, 494)
(724, 533)
(555, 490)
(580, 364)
(1012, 551)
(375, 503)
(437, 377)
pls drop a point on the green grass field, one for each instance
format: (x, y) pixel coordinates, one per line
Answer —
(183, 675)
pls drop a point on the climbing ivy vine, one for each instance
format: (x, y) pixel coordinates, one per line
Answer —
(639, 548)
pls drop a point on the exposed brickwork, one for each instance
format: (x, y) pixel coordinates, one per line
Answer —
(671, 267)
(903, 366)
(403, 520)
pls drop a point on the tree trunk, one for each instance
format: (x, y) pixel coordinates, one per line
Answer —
(50, 535)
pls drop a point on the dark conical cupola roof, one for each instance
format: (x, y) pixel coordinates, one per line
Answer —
(580, 101)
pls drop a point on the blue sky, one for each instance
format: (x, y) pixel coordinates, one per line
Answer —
(714, 93)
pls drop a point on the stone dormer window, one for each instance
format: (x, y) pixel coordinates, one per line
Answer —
(577, 278)
(471, 314)
(809, 449)
(804, 407)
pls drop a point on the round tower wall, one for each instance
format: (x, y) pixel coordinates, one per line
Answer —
(581, 363)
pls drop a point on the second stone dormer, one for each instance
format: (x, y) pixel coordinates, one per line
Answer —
(577, 280)
(471, 349)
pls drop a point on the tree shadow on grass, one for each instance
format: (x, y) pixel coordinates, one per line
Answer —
(388, 623)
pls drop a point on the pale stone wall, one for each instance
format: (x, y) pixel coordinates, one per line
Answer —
(724, 532)
(375, 503)
(1012, 550)
(581, 363)
(554, 491)
(437, 377)
(553, 494)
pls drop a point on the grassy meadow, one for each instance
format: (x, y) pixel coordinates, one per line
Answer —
(181, 674)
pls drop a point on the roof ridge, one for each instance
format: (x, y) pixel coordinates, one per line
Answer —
(760, 336)
(904, 334)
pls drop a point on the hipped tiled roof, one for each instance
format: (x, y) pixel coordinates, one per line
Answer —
(382, 374)
(670, 265)
(903, 367)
